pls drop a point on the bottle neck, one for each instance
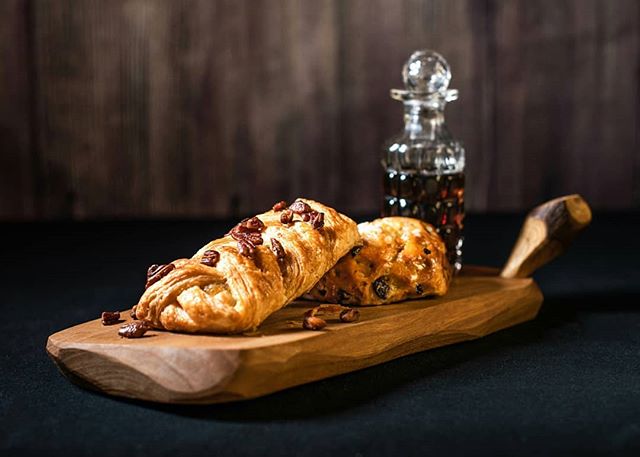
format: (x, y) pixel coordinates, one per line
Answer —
(424, 121)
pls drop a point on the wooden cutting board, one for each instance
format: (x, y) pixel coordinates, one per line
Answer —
(179, 368)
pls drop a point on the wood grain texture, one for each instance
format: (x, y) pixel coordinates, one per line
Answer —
(196, 108)
(177, 368)
(18, 172)
(566, 103)
(547, 232)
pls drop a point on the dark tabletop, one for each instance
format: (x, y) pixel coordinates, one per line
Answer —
(566, 383)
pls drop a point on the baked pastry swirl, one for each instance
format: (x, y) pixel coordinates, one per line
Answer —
(399, 258)
(233, 283)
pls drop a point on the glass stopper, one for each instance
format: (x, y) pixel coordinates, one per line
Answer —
(426, 77)
(426, 72)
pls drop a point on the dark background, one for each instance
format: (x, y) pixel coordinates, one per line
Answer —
(564, 384)
(147, 109)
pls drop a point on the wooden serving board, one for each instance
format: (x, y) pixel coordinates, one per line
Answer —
(180, 368)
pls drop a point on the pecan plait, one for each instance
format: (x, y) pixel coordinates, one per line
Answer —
(156, 272)
(250, 281)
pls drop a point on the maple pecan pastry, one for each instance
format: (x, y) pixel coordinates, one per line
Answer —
(399, 258)
(233, 283)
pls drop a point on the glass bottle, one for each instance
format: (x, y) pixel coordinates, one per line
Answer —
(424, 164)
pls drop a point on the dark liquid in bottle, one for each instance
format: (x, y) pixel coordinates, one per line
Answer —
(436, 199)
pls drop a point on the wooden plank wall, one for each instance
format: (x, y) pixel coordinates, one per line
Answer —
(216, 108)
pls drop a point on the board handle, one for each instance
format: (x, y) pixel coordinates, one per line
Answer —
(546, 233)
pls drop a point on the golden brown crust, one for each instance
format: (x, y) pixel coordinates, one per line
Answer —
(240, 292)
(399, 258)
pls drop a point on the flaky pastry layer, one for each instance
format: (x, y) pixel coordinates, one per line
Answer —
(240, 292)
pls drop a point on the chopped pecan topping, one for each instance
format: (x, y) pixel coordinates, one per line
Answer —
(286, 217)
(110, 318)
(248, 225)
(254, 238)
(380, 287)
(135, 329)
(254, 224)
(239, 229)
(280, 205)
(306, 217)
(317, 220)
(321, 309)
(210, 258)
(153, 269)
(314, 323)
(156, 272)
(349, 315)
(299, 207)
(346, 315)
(246, 249)
(277, 249)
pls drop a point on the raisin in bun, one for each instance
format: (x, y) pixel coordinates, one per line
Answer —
(398, 258)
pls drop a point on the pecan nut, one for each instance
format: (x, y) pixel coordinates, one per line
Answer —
(277, 249)
(314, 323)
(210, 258)
(254, 224)
(156, 272)
(350, 315)
(110, 317)
(317, 220)
(299, 207)
(246, 249)
(135, 329)
(279, 206)
(286, 217)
